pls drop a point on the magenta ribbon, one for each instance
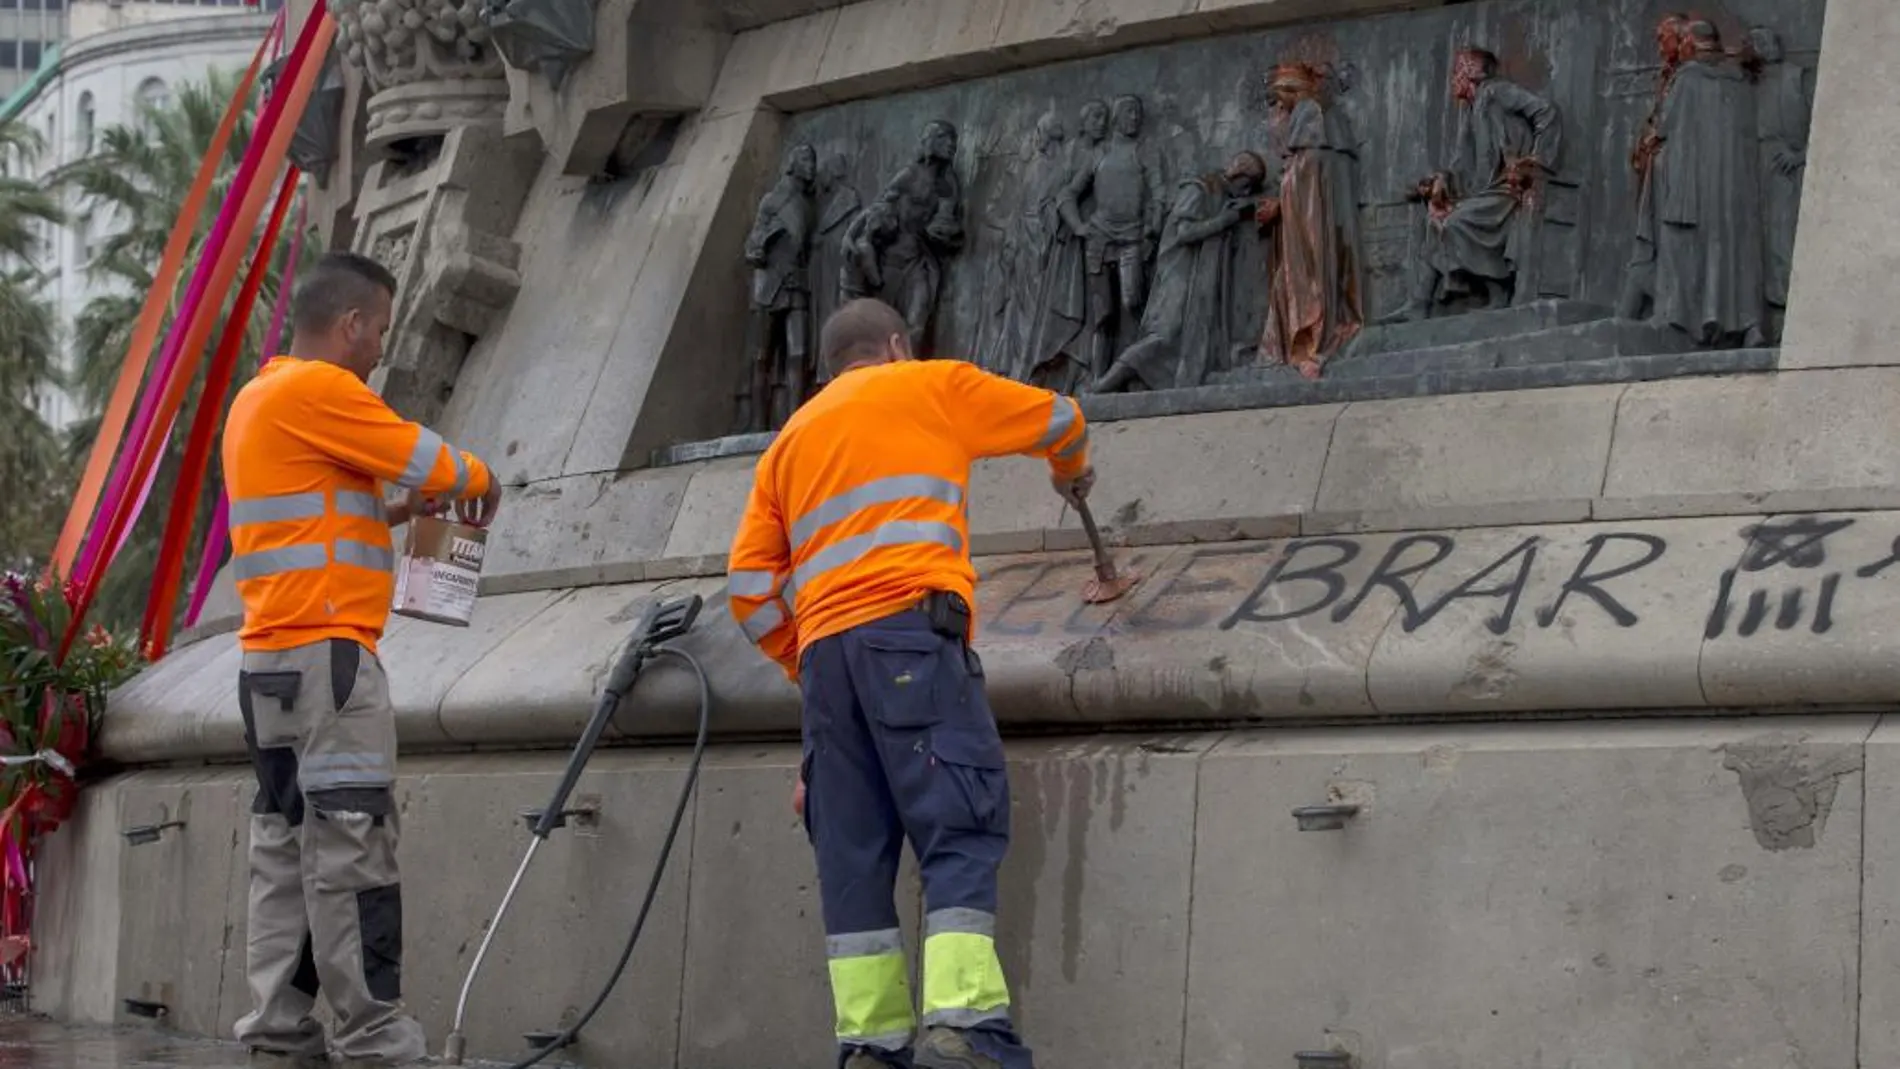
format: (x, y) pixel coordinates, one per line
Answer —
(172, 354)
(218, 537)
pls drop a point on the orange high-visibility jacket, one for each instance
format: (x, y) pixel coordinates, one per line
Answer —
(307, 447)
(861, 505)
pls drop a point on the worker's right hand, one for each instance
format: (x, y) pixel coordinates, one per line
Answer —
(1075, 489)
(798, 798)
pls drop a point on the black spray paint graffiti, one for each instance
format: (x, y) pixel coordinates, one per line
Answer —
(1798, 544)
(1507, 577)
(1309, 577)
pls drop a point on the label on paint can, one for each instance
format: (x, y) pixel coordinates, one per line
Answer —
(440, 572)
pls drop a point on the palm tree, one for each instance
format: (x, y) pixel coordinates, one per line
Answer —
(133, 189)
(30, 462)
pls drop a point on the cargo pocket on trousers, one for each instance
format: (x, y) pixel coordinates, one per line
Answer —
(346, 659)
(970, 760)
(379, 922)
(911, 680)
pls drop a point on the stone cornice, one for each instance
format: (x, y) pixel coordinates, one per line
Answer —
(171, 33)
(1641, 616)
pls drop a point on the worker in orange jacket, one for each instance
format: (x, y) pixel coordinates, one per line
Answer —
(851, 570)
(308, 448)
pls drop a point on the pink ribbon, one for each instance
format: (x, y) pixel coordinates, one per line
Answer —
(218, 537)
(172, 354)
(16, 865)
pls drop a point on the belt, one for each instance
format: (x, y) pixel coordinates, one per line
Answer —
(948, 613)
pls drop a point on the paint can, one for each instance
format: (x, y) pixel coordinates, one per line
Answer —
(440, 571)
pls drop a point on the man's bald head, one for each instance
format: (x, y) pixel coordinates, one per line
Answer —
(863, 331)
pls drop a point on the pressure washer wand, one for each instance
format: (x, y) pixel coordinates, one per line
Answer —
(660, 622)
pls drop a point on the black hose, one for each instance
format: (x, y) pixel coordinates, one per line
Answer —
(659, 868)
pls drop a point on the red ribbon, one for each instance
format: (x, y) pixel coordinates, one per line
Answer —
(155, 632)
(218, 539)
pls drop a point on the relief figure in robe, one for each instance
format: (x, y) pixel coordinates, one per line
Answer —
(1192, 316)
(1120, 230)
(1315, 281)
(1480, 215)
(1699, 238)
(926, 199)
(1669, 52)
(1028, 240)
(867, 242)
(1059, 342)
(1639, 276)
(1782, 126)
(838, 206)
(779, 251)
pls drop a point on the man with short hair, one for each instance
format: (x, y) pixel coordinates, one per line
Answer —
(308, 447)
(851, 569)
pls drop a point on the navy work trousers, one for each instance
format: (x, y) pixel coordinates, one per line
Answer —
(900, 742)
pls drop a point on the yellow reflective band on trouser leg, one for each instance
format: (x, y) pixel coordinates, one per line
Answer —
(963, 980)
(870, 988)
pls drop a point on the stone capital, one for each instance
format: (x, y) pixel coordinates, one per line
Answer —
(429, 66)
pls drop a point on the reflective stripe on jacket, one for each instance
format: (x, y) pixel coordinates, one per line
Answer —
(861, 505)
(307, 447)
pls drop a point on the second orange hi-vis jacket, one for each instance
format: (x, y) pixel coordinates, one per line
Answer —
(307, 447)
(860, 507)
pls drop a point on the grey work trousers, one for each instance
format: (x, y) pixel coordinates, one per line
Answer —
(326, 900)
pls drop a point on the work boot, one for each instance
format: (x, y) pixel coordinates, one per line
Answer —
(949, 1048)
(863, 1059)
(277, 1059)
(385, 1063)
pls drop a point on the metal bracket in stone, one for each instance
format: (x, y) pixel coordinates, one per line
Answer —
(1323, 1059)
(148, 833)
(1325, 818)
(139, 1007)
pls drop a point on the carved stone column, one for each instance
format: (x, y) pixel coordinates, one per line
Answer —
(446, 231)
(439, 205)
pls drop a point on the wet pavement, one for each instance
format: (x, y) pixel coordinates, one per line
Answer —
(36, 1043)
(28, 1042)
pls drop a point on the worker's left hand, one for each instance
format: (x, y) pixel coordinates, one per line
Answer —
(480, 512)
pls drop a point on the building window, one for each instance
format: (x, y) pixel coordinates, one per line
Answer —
(9, 54)
(86, 119)
(29, 55)
(30, 5)
(9, 5)
(153, 94)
